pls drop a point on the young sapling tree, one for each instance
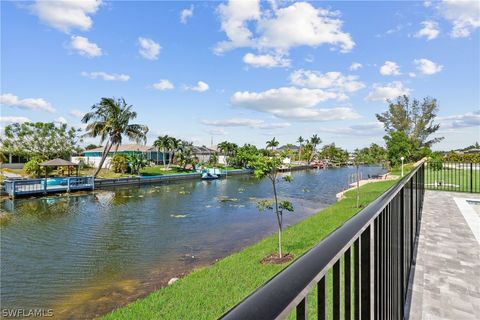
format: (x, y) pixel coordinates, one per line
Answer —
(268, 167)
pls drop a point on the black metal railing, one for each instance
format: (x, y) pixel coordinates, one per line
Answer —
(452, 176)
(362, 269)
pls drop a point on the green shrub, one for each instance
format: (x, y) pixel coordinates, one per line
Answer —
(435, 162)
(119, 163)
(465, 157)
(83, 164)
(136, 162)
(33, 168)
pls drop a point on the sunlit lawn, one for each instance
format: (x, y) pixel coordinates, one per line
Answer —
(460, 179)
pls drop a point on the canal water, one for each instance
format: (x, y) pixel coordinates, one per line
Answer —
(83, 255)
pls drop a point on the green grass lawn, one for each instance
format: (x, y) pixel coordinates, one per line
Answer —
(103, 174)
(209, 292)
(159, 170)
(459, 179)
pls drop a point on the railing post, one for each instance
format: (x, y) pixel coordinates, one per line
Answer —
(13, 189)
(347, 277)
(337, 289)
(402, 250)
(365, 271)
(302, 309)
(322, 299)
(471, 177)
(68, 184)
(357, 280)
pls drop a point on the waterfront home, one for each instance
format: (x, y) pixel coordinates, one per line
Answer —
(203, 153)
(93, 156)
(14, 161)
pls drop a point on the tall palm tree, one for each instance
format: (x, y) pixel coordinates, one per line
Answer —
(300, 141)
(110, 120)
(315, 141)
(223, 147)
(173, 145)
(185, 154)
(162, 145)
(272, 143)
(228, 149)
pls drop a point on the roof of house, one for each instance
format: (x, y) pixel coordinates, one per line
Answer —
(58, 163)
(293, 148)
(202, 150)
(143, 148)
(472, 151)
(123, 148)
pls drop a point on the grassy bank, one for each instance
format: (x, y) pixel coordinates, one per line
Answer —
(160, 170)
(209, 292)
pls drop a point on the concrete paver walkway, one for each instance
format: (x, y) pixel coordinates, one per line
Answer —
(446, 280)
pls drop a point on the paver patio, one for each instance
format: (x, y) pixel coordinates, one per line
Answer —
(446, 278)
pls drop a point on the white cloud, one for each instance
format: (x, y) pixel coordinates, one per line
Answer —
(11, 100)
(355, 66)
(106, 76)
(412, 74)
(149, 49)
(84, 47)
(216, 132)
(366, 129)
(469, 119)
(265, 60)
(427, 67)
(334, 81)
(430, 30)
(302, 24)
(388, 91)
(244, 122)
(293, 103)
(234, 17)
(390, 68)
(66, 15)
(185, 14)
(60, 120)
(77, 113)
(279, 29)
(200, 87)
(464, 16)
(163, 85)
(14, 119)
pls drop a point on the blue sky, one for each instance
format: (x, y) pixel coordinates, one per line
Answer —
(244, 71)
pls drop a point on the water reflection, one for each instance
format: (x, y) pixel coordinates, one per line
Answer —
(85, 254)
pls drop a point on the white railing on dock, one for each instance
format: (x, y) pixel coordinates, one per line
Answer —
(49, 185)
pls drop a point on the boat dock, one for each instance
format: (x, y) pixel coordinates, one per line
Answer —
(31, 187)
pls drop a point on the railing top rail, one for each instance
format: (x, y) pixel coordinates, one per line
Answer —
(276, 298)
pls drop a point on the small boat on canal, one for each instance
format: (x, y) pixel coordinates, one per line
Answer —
(209, 176)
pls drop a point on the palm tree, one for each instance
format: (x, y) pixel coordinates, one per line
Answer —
(223, 147)
(162, 145)
(173, 145)
(110, 120)
(300, 142)
(272, 143)
(229, 149)
(185, 155)
(315, 141)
